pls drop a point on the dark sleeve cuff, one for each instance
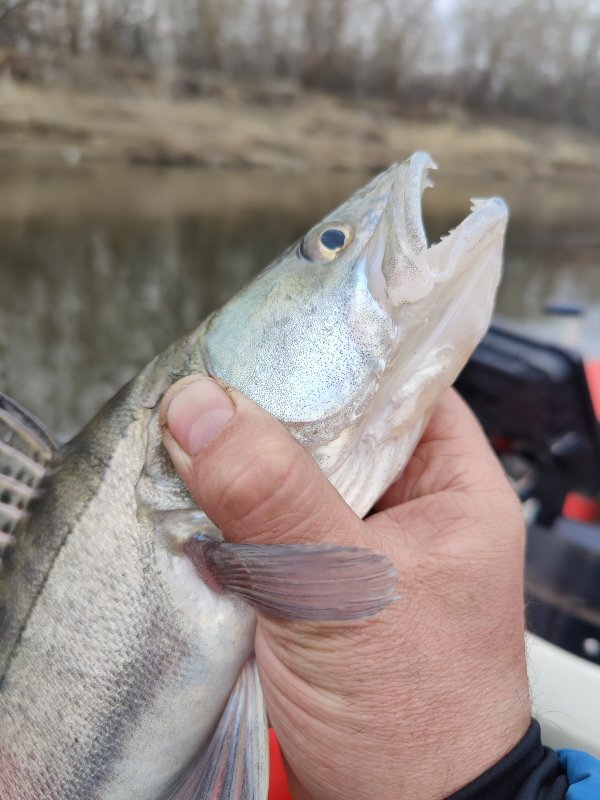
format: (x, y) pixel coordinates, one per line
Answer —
(529, 772)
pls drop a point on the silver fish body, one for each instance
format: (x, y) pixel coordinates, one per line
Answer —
(123, 663)
(116, 660)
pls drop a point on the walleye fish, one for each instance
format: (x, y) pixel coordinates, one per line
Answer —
(124, 676)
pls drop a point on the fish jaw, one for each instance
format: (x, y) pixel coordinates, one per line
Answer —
(439, 296)
(441, 300)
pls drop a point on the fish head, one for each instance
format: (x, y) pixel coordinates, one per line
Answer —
(350, 336)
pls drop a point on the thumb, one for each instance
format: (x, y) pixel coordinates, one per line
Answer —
(249, 475)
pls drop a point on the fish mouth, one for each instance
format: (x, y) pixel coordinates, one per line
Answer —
(440, 299)
(403, 267)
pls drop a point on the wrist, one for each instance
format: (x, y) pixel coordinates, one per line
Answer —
(465, 736)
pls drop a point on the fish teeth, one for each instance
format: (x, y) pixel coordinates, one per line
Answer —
(477, 203)
(447, 235)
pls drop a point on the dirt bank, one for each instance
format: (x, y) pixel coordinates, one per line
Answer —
(269, 128)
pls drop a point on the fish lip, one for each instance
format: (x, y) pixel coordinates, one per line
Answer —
(400, 184)
(400, 225)
(412, 183)
(401, 264)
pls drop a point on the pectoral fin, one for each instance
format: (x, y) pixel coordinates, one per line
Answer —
(298, 581)
(26, 450)
(234, 766)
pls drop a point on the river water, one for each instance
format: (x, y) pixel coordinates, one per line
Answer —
(102, 268)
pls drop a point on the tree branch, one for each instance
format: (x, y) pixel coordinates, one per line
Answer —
(5, 12)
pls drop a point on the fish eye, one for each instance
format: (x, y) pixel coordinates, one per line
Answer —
(333, 239)
(327, 241)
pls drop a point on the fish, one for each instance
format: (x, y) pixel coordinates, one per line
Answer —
(127, 674)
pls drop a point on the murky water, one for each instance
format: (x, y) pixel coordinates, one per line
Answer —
(100, 269)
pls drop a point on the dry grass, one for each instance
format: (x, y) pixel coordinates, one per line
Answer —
(42, 124)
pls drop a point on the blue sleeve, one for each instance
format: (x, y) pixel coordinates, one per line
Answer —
(583, 774)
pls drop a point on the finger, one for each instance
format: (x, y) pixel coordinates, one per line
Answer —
(245, 470)
(453, 455)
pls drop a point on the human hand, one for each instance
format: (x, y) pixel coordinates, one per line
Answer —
(418, 701)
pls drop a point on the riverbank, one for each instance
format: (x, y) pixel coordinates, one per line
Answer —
(274, 127)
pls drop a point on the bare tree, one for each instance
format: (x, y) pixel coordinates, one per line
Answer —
(7, 7)
(14, 21)
(401, 36)
(529, 57)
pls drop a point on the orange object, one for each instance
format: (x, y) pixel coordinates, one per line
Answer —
(502, 444)
(278, 788)
(581, 508)
(576, 505)
(592, 373)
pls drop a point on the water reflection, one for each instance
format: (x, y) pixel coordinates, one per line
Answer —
(101, 270)
(536, 277)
